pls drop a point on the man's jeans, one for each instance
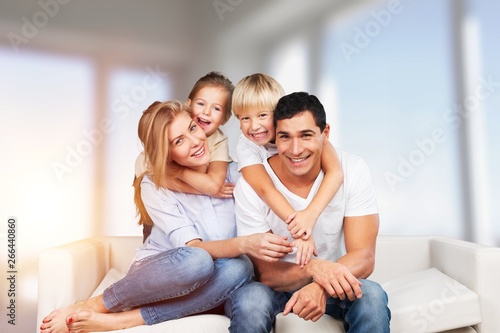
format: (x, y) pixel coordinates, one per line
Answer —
(177, 283)
(253, 308)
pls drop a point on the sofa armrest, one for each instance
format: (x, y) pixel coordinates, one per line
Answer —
(69, 273)
(397, 256)
(475, 266)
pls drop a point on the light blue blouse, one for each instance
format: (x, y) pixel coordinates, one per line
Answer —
(180, 217)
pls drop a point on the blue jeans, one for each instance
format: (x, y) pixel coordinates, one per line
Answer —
(253, 308)
(177, 283)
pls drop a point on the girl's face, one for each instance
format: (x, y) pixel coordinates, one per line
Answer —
(187, 142)
(208, 108)
(257, 126)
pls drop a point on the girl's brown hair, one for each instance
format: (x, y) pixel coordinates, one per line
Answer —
(215, 79)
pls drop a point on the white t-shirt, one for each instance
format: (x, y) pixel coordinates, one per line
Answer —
(249, 153)
(356, 197)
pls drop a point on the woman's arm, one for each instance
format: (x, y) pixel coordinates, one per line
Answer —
(258, 178)
(265, 246)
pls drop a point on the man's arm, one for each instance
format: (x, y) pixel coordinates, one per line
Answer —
(339, 279)
(360, 233)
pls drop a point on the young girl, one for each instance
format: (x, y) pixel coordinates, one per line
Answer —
(192, 261)
(209, 103)
(254, 99)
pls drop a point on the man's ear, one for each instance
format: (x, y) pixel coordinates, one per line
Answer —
(326, 133)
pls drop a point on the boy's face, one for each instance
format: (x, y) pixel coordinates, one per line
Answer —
(208, 108)
(257, 126)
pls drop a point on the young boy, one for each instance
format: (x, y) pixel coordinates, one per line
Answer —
(254, 100)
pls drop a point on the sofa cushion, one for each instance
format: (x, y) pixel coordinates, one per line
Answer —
(430, 301)
(111, 277)
(204, 323)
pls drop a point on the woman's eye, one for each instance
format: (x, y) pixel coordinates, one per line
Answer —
(179, 141)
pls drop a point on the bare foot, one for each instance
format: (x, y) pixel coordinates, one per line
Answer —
(56, 321)
(88, 321)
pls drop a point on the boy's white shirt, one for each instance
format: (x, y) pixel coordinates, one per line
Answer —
(249, 153)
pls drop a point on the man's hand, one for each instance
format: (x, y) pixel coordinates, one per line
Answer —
(266, 246)
(309, 302)
(335, 278)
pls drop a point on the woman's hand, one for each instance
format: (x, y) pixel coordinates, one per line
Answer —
(266, 246)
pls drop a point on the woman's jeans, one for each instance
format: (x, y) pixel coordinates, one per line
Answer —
(254, 307)
(177, 283)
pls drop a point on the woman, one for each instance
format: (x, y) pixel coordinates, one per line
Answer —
(192, 261)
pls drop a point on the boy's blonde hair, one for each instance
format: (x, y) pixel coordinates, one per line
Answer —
(218, 80)
(256, 91)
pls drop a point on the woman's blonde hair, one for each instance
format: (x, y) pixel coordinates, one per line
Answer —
(256, 91)
(153, 133)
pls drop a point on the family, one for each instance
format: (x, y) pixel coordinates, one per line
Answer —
(289, 228)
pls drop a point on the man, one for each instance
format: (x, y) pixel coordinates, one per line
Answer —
(335, 282)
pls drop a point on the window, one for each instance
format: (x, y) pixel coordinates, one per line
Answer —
(130, 93)
(395, 85)
(47, 111)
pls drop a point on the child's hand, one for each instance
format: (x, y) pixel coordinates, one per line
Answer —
(302, 224)
(226, 191)
(305, 250)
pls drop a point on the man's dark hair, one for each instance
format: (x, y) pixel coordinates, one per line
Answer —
(290, 105)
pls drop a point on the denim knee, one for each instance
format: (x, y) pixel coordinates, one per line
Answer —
(370, 313)
(251, 308)
(241, 269)
(374, 293)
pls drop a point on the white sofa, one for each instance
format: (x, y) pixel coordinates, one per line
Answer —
(434, 284)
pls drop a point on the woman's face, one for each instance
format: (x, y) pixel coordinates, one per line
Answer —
(187, 142)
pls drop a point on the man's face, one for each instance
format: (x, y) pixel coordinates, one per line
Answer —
(300, 144)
